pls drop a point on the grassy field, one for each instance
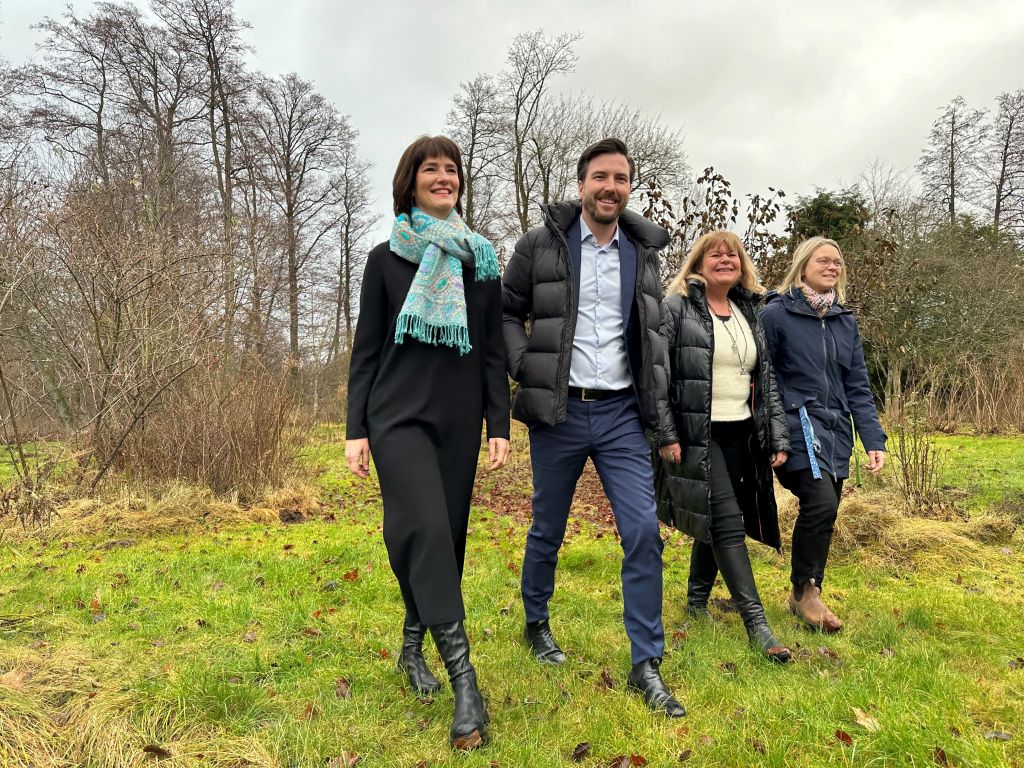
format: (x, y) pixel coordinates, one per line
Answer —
(265, 644)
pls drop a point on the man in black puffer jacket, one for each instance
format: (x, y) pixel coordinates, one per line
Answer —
(591, 374)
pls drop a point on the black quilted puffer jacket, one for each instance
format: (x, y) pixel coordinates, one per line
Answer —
(684, 490)
(539, 288)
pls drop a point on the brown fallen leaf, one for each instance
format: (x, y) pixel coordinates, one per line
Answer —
(759, 746)
(606, 680)
(94, 605)
(343, 688)
(844, 737)
(468, 742)
(311, 632)
(866, 721)
(288, 547)
(309, 712)
(939, 756)
(827, 652)
(1017, 663)
(685, 755)
(157, 751)
(728, 666)
(249, 637)
(580, 751)
(384, 653)
(351, 575)
(887, 653)
(344, 760)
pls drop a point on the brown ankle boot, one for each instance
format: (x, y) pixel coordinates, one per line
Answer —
(812, 611)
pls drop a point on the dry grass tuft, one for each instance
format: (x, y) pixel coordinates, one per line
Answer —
(874, 525)
(175, 508)
(56, 711)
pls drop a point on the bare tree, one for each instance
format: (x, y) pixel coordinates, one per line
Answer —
(478, 124)
(213, 30)
(1004, 163)
(949, 164)
(533, 60)
(356, 221)
(303, 136)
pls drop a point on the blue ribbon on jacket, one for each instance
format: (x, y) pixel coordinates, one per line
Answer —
(809, 441)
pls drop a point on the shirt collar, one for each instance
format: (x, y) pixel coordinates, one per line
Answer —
(585, 233)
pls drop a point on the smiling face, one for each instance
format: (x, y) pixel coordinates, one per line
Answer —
(823, 269)
(605, 188)
(721, 266)
(437, 186)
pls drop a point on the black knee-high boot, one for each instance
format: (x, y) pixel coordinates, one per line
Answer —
(703, 570)
(470, 710)
(734, 563)
(410, 659)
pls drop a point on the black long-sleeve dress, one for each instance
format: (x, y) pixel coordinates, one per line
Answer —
(422, 407)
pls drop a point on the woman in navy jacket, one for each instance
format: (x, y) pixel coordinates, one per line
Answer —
(819, 365)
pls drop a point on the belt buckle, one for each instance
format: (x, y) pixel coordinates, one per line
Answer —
(584, 398)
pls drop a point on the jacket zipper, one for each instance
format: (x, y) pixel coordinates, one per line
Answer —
(562, 395)
(824, 374)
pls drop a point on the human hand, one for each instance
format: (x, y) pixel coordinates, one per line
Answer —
(357, 454)
(498, 448)
(672, 452)
(876, 460)
(779, 458)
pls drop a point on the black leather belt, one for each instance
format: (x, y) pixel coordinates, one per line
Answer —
(593, 395)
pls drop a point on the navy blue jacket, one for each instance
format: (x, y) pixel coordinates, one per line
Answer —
(819, 363)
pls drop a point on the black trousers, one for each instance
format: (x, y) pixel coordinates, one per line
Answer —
(812, 534)
(731, 467)
(426, 484)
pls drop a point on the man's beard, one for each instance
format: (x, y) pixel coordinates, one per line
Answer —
(590, 203)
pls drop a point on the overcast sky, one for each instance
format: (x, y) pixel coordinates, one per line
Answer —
(789, 94)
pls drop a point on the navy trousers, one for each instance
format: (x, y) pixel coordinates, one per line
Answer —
(610, 433)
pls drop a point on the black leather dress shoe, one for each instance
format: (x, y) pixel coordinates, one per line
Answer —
(542, 642)
(646, 680)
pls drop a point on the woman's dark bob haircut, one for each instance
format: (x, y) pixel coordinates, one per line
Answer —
(403, 187)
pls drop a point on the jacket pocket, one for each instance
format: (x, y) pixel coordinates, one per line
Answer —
(794, 399)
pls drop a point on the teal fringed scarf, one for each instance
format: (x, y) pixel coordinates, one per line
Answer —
(434, 311)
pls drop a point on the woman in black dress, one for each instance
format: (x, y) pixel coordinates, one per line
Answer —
(428, 366)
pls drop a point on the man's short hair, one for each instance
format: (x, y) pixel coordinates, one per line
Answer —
(609, 146)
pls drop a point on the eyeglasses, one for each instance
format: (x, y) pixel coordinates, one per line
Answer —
(824, 262)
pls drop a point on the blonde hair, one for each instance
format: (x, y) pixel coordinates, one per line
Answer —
(802, 254)
(695, 259)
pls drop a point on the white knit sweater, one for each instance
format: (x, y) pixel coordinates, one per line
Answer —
(730, 390)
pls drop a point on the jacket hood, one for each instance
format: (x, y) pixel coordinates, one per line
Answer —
(638, 229)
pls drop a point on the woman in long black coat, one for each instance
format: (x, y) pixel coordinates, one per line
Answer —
(428, 367)
(819, 360)
(715, 483)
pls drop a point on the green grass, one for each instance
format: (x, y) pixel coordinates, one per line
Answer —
(225, 649)
(990, 470)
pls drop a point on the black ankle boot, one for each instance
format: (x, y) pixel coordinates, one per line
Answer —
(411, 662)
(739, 577)
(469, 726)
(703, 570)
